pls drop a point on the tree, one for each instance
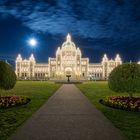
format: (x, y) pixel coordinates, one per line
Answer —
(125, 78)
(7, 76)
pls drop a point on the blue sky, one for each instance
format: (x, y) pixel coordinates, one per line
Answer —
(96, 26)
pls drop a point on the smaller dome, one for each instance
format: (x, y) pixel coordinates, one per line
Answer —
(105, 58)
(117, 58)
(32, 58)
(19, 58)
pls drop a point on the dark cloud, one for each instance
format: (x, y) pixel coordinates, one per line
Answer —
(93, 19)
(112, 25)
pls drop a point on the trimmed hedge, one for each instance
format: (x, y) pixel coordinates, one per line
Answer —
(125, 78)
(7, 76)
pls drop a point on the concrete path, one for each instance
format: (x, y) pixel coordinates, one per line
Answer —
(67, 115)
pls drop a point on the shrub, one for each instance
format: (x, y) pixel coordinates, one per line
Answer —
(7, 76)
(125, 78)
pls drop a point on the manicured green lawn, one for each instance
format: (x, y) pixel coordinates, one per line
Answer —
(13, 117)
(127, 122)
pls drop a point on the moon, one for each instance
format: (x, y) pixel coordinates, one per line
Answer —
(32, 42)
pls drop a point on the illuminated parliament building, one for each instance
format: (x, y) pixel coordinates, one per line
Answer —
(68, 62)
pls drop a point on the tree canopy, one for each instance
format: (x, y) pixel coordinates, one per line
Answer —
(7, 76)
(125, 78)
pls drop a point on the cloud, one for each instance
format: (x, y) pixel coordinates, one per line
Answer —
(88, 19)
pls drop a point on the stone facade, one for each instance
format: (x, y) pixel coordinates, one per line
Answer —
(68, 62)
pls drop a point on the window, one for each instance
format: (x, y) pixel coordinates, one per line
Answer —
(83, 69)
(53, 68)
(83, 62)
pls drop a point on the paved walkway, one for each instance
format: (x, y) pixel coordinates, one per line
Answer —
(67, 115)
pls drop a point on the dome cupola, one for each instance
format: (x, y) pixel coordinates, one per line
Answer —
(68, 44)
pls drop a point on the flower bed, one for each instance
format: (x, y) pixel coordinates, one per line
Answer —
(122, 102)
(9, 101)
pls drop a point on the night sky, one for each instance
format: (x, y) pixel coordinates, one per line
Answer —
(96, 26)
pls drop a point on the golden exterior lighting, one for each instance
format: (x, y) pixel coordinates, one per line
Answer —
(68, 61)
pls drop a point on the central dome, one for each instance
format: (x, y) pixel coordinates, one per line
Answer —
(68, 44)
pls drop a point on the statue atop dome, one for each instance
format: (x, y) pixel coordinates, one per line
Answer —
(68, 38)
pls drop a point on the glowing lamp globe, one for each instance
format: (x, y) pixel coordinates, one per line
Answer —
(32, 42)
